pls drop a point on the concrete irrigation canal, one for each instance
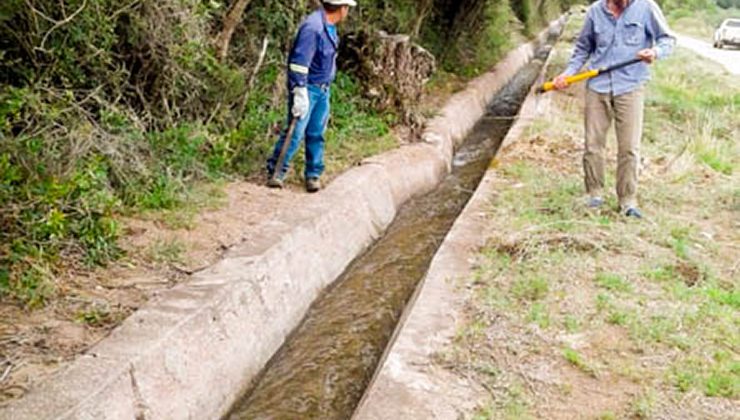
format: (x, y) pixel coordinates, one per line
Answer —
(323, 369)
(294, 322)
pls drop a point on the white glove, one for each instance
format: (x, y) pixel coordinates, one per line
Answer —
(300, 102)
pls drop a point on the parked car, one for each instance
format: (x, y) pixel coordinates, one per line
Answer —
(728, 33)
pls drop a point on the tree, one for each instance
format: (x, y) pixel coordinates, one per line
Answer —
(233, 17)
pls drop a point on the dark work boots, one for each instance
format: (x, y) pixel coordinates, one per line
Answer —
(313, 185)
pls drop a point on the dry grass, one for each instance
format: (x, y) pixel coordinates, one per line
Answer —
(586, 314)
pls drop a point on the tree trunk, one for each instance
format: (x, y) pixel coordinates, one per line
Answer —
(233, 17)
(426, 8)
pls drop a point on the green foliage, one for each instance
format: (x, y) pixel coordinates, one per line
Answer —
(469, 36)
(530, 288)
(707, 108)
(355, 130)
(525, 12)
(399, 16)
(574, 358)
(109, 108)
(539, 315)
(699, 18)
(612, 282)
(482, 49)
(718, 378)
(727, 4)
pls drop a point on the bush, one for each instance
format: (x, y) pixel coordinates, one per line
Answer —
(728, 4)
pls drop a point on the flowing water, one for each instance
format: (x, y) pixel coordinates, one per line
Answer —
(325, 365)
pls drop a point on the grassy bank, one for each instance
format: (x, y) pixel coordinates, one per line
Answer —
(700, 23)
(581, 314)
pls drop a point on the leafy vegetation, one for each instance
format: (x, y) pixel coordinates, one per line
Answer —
(699, 18)
(109, 108)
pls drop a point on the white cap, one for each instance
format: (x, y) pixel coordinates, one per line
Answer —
(340, 2)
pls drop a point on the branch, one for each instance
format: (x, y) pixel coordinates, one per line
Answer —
(233, 17)
(250, 85)
(60, 23)
(265, 43)
(39, 12)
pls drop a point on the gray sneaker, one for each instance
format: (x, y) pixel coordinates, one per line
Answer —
(595, 202)
(313, 185)
(275, 182)
(633, 212)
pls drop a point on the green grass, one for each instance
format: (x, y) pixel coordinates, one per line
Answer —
(167, 251)
(664, 289)
(530, 288)
(643, 405)
(571, 324)
(96, 316)
(721, 378)
(513, 406)
(700, 23)
(539, 315)
(617, 317)
(355, 131)
(613, 282)
(662, 273)
(607, 416)
(575, 359)
(706, 108)
(198, 198)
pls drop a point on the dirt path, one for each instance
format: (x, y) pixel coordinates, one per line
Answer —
(729, 58)
(162, 250)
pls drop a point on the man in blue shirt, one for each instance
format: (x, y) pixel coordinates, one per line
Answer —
(616, 31)
(311, 69)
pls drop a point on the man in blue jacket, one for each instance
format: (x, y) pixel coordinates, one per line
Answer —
(616, 31)
(311, 69)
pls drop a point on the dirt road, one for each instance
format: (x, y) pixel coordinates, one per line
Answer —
(729, 58)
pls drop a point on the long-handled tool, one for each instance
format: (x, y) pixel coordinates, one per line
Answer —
(284, 150)
(588, 74)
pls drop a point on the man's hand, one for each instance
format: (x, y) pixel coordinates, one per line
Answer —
(560, 82)
(647, 55)
(300, 102)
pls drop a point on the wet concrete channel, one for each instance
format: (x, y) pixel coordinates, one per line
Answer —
(325, 365)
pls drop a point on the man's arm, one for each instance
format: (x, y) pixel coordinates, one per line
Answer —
(583, 48)
(662, 34)
(301, 57)
(581, 52)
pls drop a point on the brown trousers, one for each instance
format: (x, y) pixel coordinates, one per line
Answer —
(627, 112)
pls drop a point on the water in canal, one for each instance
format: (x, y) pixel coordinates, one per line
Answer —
(321, 372)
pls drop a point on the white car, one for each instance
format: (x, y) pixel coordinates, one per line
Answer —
(728, 33)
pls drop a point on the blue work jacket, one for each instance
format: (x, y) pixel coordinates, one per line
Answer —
(605, 41)
(313, 58)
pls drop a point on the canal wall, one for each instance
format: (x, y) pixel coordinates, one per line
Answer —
(408, 383)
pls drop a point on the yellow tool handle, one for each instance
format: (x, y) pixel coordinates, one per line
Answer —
(572, 79)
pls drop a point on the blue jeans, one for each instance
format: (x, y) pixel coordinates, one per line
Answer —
(312, 126)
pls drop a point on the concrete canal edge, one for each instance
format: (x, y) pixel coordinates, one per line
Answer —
(408, 384)
(190, 352)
